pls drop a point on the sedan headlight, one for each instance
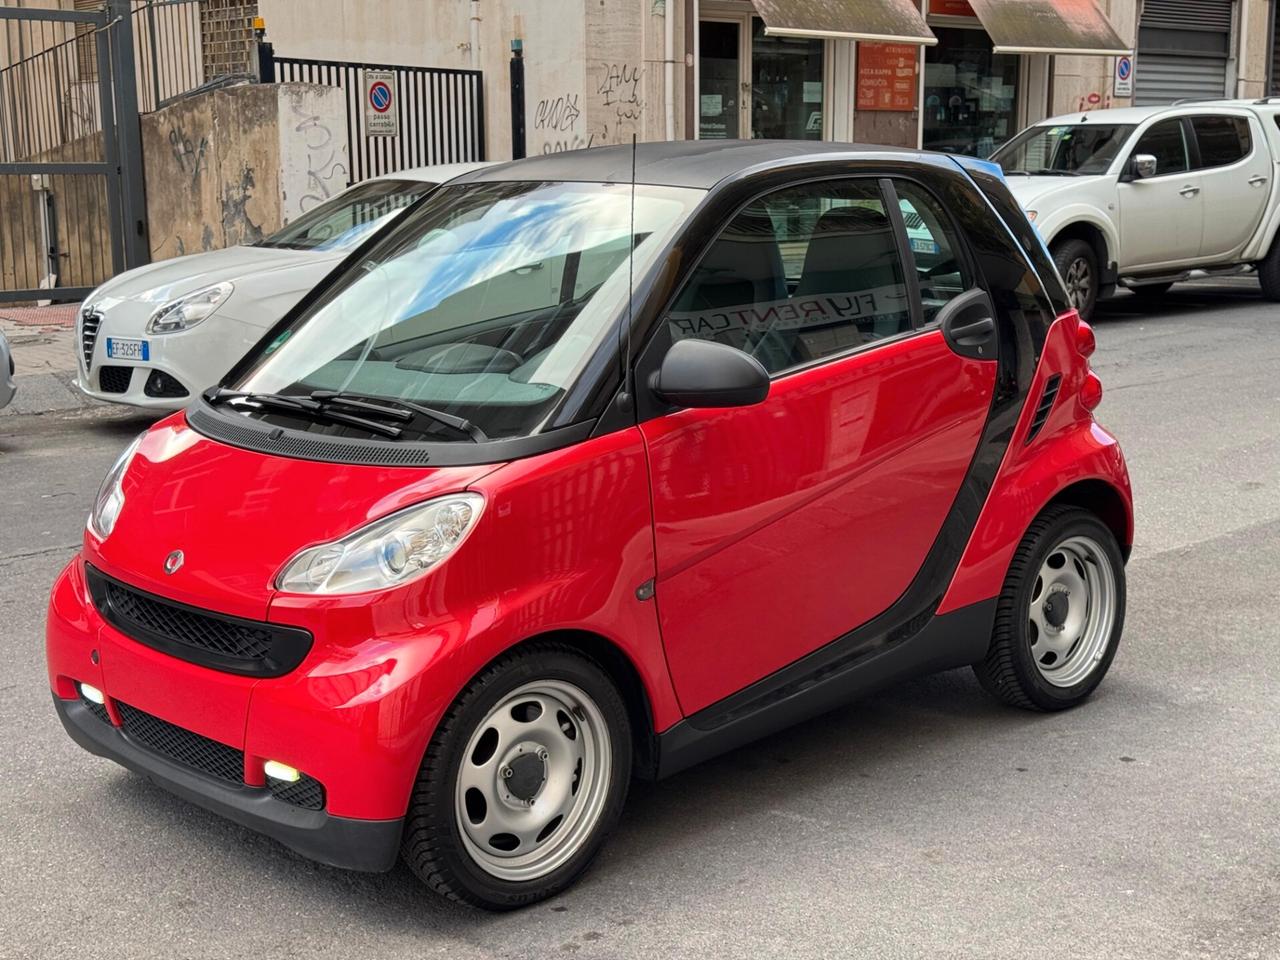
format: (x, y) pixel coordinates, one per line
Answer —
(185, 312)
(110, 499)
(387, 552)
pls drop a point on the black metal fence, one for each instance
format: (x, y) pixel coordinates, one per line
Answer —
(439, 113)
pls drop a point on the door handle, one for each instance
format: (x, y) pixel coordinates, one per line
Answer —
(974, 334)
(1189, 191)
(1257, 180)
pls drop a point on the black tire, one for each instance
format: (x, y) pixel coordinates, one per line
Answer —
(1009, 671)
(1078, 266)
(1269, 273)
(1151, 292)
(433, 846)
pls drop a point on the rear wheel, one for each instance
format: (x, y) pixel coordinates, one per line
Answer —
(523, 780)
(1060, 614)
(1078, 265)
(1269, 273)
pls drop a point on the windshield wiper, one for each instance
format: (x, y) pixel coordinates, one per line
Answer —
(396, 409)
(305, 406)
(1046, 172)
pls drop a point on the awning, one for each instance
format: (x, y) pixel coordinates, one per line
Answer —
(1049, 26)
(884, 21)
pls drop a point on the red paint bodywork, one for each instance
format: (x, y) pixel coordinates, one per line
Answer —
(777, 528)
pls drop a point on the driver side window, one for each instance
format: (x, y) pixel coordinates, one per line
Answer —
(1167, 142)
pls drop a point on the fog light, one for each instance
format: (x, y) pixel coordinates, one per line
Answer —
(92, 694)
(281, 771)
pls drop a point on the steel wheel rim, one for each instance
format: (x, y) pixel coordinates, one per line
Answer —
(1072, 611)
(498, 796)
(1079, 282)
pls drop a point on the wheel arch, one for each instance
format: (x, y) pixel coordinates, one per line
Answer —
(1106, 502)
(1091, 233)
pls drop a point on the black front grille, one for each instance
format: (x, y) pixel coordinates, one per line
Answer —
(181, 745)
(89, 324)
(1045, 406)
(114, 379)
(97, 709)
(233, 644)
(160, 384)
(304, 792)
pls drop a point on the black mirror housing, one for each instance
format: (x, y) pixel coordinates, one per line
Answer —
(702, 373)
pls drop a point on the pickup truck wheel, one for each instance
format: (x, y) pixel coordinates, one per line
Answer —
(1078, 265)
(1269, 273)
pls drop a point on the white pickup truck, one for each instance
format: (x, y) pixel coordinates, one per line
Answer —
(1147, 196)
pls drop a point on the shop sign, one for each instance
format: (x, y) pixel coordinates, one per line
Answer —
(951, 8)
(887, 78)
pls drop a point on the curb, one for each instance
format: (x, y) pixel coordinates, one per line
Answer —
(53, 392)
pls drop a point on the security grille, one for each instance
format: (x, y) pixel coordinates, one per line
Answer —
(1210, 15)
(1168, 78)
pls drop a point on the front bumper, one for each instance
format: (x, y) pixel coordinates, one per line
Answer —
(368, 845)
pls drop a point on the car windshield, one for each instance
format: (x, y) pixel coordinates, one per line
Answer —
(484, 304)
(1077, 149)
(344, 221)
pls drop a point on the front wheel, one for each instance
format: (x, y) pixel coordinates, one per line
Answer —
(1078, 266)
(525, 777)
(1269, 273)
(1060, 614)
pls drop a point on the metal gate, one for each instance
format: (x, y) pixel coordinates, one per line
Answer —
(1183, 50)
(72, 211)
(439, 113)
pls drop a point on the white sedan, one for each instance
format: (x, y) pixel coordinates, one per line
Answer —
(157, 335)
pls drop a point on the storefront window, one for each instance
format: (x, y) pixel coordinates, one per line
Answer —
(970, 94)
(786, 86)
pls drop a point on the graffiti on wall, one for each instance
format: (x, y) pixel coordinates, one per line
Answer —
(555, 124)
(326, 162)
(619, 98)
(189, 156)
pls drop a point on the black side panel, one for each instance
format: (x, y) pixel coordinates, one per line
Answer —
(953, 640)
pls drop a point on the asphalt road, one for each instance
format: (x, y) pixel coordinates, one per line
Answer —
(923, 822)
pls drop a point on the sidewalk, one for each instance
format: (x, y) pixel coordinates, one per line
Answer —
(44, 352)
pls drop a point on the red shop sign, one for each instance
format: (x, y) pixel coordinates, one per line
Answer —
(951, 8)
(887, 78)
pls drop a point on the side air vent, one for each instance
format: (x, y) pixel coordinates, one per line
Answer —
(1045, 406)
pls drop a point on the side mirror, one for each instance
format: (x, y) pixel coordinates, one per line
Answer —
(702, 373)
(1144, 165)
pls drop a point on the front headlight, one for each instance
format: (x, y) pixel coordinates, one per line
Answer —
(1031, 215)
(110, 499)
(185, 312)
(387, 552)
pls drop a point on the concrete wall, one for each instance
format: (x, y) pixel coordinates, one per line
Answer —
(235, 164)
(593, 70)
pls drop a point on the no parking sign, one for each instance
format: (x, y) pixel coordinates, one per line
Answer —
(380, 113)
(1124, 77)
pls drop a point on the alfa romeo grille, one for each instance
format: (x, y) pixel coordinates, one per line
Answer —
(90, 322)
(232, 644)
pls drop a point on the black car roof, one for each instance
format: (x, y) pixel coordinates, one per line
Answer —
(679, 163)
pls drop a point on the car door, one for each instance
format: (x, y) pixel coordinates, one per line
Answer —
(1161, 217)
(782, 526)
(1235, 170)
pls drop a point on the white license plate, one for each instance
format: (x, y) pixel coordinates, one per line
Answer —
(924, 246)
(118, 349)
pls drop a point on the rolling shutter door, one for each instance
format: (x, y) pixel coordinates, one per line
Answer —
(1183, 49)
(1164, 78)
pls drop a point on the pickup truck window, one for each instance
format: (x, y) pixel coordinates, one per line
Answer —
(1079, 149)
(1223, 140)
(1167, 142)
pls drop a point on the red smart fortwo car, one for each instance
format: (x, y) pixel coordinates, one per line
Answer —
(590, 467)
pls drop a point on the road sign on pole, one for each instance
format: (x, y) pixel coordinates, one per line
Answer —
(1124, 77)
(380, 114)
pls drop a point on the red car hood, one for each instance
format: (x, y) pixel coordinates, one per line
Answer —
(238, 516)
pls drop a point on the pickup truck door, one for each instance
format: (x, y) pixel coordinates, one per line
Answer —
(1161, 217)
(1235, 171)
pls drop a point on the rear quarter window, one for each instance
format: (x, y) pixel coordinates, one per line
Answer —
(1222, 140)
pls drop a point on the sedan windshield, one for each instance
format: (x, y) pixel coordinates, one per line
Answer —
(1065, 150)
(483, 305)
(344, 221)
